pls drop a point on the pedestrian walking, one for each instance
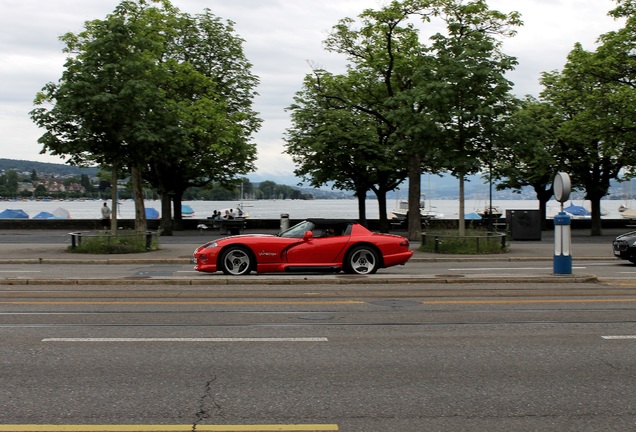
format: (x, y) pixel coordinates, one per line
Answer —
(105, 217)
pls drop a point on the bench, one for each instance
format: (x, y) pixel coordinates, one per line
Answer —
(229, 226)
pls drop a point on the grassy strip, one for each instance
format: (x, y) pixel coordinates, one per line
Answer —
(120, 244)
(475, 242)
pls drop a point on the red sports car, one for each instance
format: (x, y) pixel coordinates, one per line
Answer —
(310, 246)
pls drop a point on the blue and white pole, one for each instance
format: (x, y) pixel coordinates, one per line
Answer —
(562, 234)
(562, 244)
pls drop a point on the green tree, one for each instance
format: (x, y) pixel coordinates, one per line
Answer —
(595, 107)
(425, 99)
(140, 93)
(268, 188)
(104, 108)
(11, 181)
(336, 145)
(85, 181)
(209, 89)
(532, 159)
(469, 97)
(383, 51)
(40, 191)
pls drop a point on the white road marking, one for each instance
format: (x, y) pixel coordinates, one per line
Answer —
(619, 337)
(20, 271)
(506, 268)
(305, 339)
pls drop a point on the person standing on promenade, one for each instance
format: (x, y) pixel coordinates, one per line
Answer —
(105, 217)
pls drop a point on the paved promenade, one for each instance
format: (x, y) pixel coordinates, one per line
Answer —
(53, 244)
(20, 248)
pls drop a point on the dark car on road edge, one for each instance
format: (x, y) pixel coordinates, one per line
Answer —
(625, 246)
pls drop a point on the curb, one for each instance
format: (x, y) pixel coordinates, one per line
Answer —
(183, 260)
(334, 280)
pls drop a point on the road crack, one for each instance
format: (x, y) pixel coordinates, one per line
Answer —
(208, 406)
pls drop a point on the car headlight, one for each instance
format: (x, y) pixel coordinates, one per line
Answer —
(211, 245)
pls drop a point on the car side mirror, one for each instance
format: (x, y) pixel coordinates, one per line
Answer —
(308, 236)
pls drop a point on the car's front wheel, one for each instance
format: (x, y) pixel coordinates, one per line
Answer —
(361, 260)
(236, 261)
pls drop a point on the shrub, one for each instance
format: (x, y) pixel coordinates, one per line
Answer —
(122, 243)
(474, 242)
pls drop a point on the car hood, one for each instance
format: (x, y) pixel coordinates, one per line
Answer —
(244, 237)
(626, 236)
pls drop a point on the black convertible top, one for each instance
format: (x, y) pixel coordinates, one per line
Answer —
(325, 221)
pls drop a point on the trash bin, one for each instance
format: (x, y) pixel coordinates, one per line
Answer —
(284, 221)
(524, 224)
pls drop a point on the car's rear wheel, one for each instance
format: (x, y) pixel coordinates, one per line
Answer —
(236, 261)
(361, 260)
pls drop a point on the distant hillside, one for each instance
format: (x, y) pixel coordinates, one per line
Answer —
(435, 187)
(42, 168)
(63, 170)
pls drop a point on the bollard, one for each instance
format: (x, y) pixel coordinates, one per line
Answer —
(148, 240)
(284, 222)
(562, 244)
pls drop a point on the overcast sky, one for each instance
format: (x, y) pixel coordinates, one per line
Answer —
(281, 36)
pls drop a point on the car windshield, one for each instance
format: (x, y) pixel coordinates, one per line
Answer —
(298, 231)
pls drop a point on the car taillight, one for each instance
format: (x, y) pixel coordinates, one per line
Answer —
(404, 243)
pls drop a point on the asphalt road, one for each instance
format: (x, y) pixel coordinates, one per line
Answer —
(553, 362)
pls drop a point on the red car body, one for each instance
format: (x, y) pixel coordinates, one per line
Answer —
(310, 246)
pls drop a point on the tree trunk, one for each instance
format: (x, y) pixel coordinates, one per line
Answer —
(114, 201)
(362, 207)
(462, 205)
(543, 195)
(176, 208)
(596, 216)
(138, 197)
(384, 221)
(543, 208)
(415, 193)
(166, 214)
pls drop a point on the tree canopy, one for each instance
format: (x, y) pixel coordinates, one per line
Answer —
(434, 106)
(150, 89)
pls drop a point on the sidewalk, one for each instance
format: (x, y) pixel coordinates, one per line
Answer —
(22, 248)
(51, 246)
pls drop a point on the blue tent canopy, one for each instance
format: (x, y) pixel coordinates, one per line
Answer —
(186, 210)
(577, 210)
(152, 213)
(45, 215)
(13, 214)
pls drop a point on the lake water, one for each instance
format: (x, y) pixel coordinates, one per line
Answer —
(297, 209)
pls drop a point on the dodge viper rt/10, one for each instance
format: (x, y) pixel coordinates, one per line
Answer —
(314, 245)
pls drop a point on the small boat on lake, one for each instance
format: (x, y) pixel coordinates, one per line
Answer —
(402, 209)
(494, 212)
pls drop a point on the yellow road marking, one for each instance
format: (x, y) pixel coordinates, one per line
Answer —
(181, 303)
(495, 302)
(168, 428)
